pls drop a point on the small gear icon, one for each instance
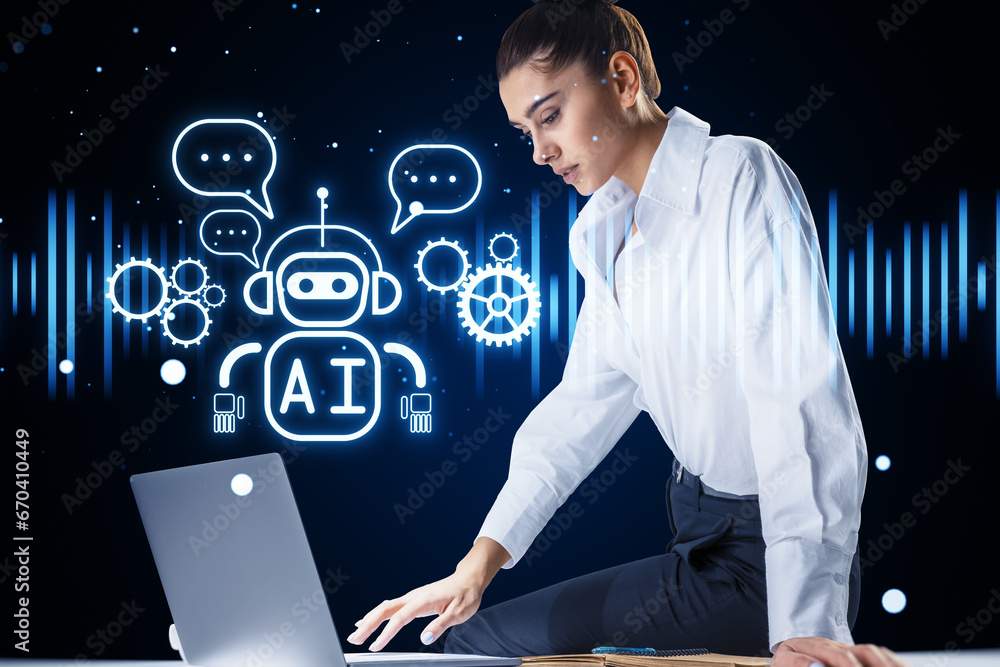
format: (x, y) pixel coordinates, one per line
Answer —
(513, 241)
(168, 315)
(214, 295)
(419, 266)
(499, 327)
(120, 270)
(202, 281)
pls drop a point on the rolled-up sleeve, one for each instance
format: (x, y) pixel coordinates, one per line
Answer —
(805, 430)
(564, 438)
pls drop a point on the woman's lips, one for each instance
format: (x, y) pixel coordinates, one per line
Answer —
(571, 176)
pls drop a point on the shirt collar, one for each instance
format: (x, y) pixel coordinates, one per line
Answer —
(672, 180)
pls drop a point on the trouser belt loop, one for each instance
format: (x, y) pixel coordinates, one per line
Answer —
(694, 481)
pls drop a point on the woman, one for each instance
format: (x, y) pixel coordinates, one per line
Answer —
(706, 305)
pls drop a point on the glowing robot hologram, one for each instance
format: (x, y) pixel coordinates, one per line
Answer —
(323, 383)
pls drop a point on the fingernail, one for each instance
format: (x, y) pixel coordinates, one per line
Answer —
(351, 637)
(816, 664)
(427, 637)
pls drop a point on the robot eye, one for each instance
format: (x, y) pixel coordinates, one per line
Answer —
(322, 285)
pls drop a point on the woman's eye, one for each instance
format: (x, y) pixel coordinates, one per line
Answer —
(551, 118)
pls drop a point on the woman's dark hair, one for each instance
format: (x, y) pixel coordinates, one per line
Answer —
(554, 34)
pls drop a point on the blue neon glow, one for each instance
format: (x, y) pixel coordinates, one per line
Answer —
(850, 291)
(882, 462)
(13, 285)
(126, 296)
(888, 292)
(478, 306)
(90, 283)
(553, 308)
(944, 290)
(52, 290)
(906, 289)
(144, 331)
(571, 298)
(265, 206)
(870, 291)
(108, 331)
(70, 291)
(536, 254)
(925, 279)
(963, 263)
(981, 286)
(832, 261)
(34, 284)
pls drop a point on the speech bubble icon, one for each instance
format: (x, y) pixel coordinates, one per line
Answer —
(433, 178)
(231, 232)
(226, 157)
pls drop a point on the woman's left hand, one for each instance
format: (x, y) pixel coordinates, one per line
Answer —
(813, 651)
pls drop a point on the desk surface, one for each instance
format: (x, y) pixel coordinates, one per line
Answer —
(968, 658)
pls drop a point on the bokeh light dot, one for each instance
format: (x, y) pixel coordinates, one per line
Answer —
(65, 366)
(894, 601)
(173, 371)
(883, 462)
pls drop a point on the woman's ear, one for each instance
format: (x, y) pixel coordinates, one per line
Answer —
(624, 73)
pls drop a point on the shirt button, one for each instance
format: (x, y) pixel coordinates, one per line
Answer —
(840, 619)
(839, 579)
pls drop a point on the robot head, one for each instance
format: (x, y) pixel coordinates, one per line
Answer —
(324, 277)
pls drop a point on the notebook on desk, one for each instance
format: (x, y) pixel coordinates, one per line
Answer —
(238, 574)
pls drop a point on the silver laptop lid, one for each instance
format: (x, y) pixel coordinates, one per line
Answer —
(235, 565)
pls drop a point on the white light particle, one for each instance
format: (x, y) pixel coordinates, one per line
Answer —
(883, 462)
(413, 179)
(65, 366)
(893, 601)
(242, 484)
(451, 179)
(173, 371)
(173, 49)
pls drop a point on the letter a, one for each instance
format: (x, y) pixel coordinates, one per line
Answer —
(297, 378)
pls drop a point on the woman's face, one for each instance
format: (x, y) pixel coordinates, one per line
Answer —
(571, 122)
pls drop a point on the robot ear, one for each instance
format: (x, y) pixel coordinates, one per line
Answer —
(377, 307)
(268, 277)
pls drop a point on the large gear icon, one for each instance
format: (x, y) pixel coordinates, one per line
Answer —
(419, 266)
(509, 258)
(166, 317)
(120, 269)
(201, 283)
(498, 304)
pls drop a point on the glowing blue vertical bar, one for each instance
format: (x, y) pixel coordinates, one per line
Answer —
(906, 289)
(126, 292)
(870, 291)
(71, 290)
(944, 290)
(850, 291)
(90, 284)
(925, 288)
(144, 332)
(34, 284)
(480, 355)
(888, 292)
(108, 331)
(963, 263)
(981, 286)
(536, 341)
(832, 261)
(164, 262)
(571, 278)
(553, 308)
(13, 283)
(53, 293)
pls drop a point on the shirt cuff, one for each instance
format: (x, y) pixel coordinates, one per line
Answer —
(520, 512)
(808, 588)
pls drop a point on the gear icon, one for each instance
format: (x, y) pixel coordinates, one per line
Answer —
(513, 254)
(132, 263)
(419, 266)
(202, 281)
(213, 295)
(499, 327)
(168, 315)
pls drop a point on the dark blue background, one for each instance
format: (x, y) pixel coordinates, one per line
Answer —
(891, 93)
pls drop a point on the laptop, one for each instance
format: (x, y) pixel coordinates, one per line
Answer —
(238, 574)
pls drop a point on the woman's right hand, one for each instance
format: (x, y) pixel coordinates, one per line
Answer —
(454, 599)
